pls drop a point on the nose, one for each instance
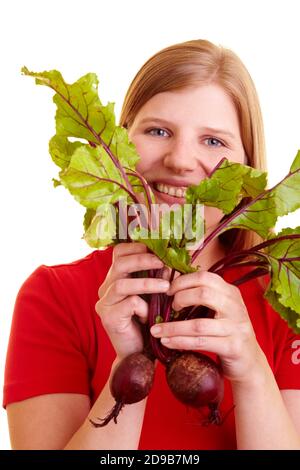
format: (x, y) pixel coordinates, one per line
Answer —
(181, 157)
(184, 155)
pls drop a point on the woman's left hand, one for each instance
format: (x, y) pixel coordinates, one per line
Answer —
(229, 334)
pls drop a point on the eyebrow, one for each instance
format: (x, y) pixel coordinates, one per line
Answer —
(212, 130)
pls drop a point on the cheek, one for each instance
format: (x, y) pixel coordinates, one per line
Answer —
(145, 162)
(148, 155)
(142, 165)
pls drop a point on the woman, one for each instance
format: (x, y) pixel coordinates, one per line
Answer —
(189, 106)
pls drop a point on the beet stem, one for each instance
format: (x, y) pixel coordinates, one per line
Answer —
(214, 416)
(113, 414)
(227, 414)
(155, 306)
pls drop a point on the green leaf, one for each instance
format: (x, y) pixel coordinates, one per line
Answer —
(183, 226)
(86, 174)
(80, 112)
(179, 259)
(88, 217)
(284, 258)
(254, 182)
(286, 313)
(56, 182)
(135, 183)
(262, 212)
(157, 246)
(166, 240)
(296, 163)
(109, 154)
(101, 231)
(176, 258)
(61, 150)
(171, 224)
(123, 149)
(228, 184)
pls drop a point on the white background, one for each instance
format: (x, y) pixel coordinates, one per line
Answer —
(43, 225)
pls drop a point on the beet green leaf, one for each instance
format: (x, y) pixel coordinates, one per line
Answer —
(99, 170)
(284, 288)
(227, 185)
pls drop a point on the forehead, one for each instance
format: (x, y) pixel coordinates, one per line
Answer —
(209, 102)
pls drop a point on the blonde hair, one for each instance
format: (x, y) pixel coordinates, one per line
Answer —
(197, 62)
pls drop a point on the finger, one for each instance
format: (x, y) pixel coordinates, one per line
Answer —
(124, 249)
(125, 265)
(225, 305)
(199, 278)
(122, 288)
(196, 327)
(133, 305)
(215, 344)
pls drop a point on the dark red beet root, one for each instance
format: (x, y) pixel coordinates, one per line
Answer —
(196, 380)
(131, 382)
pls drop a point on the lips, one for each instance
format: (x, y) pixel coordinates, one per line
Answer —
(171, 182)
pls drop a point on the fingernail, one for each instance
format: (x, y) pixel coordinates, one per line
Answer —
(155, 330)
(164, 284)
(158, 262)
(165, 340)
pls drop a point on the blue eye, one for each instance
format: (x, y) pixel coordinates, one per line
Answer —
(214, 141)
(159, 134)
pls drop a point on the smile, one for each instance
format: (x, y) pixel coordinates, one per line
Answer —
(171, 190)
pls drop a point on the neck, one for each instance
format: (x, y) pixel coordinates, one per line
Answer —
(213, 253)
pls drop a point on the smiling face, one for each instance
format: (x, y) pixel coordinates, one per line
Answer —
(181, 136)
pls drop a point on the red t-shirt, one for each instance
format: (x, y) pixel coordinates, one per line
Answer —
(58, 345)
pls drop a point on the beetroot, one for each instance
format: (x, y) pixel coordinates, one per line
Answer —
(131, 382)
(196, 380)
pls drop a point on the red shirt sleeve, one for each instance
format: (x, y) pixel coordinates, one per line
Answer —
(44, 352)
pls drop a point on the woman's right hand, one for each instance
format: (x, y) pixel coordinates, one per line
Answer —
(119, 298)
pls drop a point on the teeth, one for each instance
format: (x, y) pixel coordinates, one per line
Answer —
(171, 190)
